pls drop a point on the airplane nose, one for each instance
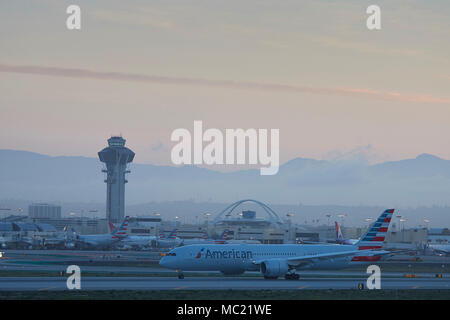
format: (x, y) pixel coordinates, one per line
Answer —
(163, 262)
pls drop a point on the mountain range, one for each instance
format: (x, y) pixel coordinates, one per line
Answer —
(421, 181)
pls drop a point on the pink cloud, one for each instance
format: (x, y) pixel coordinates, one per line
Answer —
(123, 76)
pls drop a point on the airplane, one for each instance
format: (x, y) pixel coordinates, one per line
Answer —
(205, 239)
(103, 240)
(61, 240)
(3, 243)
(133, 241)
(276, 260)
(170, 242)
(223, 238)
(18, 241)
(440, 249)
(340, 237)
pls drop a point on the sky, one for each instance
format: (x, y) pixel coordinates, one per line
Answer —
(311, 69)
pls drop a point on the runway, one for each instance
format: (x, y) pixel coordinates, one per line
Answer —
(211, 283)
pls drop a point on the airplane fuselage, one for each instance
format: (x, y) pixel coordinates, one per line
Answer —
(98, 240)
(237, 258)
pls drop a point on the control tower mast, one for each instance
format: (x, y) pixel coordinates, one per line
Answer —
(116, 157)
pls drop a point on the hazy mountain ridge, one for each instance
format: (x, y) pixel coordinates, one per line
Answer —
(424, 180)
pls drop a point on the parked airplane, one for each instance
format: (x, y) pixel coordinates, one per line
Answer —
(103, 240)
(340, 237)
(135, 242)
(204, 240)
(3, 243)
(170, 242)
(19, 241)
(441, 249)
(276, 260)
(65, 240)
(223, 238)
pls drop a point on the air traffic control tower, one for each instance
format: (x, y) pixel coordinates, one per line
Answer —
(116, 158)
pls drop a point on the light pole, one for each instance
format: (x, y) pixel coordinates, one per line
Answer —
(288, 217)
(342, 215)
(427, 221)
(369, 221)
(403, 228)
(207, 217)
(328, 216)
(403, 220)
(399, 222)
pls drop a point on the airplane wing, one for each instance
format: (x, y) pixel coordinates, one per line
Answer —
(440, 250)
(311, 259)
(88, 242)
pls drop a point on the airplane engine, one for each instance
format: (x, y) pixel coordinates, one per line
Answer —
(70, 245)
(274, 268)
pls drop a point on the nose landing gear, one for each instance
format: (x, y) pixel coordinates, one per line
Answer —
(180, 274)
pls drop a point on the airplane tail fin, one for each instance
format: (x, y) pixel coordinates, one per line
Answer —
(121, 232)
(339, 235)
(161, 235)
(205, 235)
(374, 237)
(74, 234)
(112, 228)
(224, 235)
(173, 234)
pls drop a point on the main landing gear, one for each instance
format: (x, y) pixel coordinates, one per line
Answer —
(292, 276)
(180, 274)
(270, 278)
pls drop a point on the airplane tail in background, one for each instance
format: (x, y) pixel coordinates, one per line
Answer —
(339, 236)
(376, 234)
(205, 235)
(112, 228)
(74, 234)
(224, 235)
(121, 232)
(173, 234)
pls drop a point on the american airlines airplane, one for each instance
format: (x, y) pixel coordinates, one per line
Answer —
(170, 242)
(103, 240)
(204, 240)
(278, 260)
(223, 238)
(441, 249)
(134, 241)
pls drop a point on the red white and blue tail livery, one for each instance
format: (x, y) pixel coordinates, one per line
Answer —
(121, 232)
(374, 238)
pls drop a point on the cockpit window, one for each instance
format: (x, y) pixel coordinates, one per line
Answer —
(172, 254)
